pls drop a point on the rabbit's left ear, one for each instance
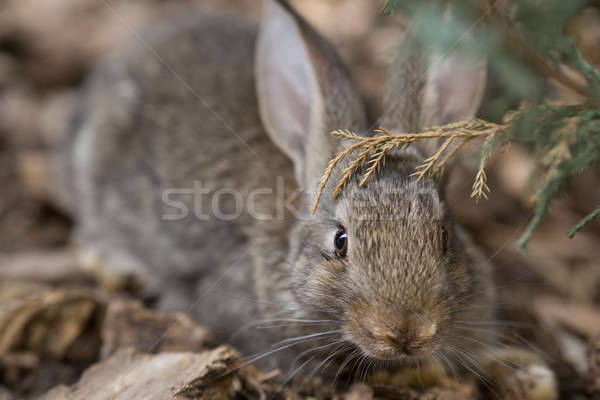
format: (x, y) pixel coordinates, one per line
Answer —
(454, 89)
(425, 89)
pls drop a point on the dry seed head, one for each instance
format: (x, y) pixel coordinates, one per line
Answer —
(376, 148)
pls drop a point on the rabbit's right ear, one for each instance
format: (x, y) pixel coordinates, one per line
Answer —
(291, 104)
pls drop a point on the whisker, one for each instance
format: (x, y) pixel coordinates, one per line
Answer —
(511, 284)
(512, 338)
(298, 322)
(491, 353)
(249, 325)
(358, 363)
(232, 296)
(310, 336)
(372, 366)
(355, 353)
(306, 352)
(465, 362)
(522, 341)
(328, 359)
(254, 358)
(484, 379)
(364, 358)
(449, 363)
(491, 306)
(294, 372)
(496, 323)
(495, 332)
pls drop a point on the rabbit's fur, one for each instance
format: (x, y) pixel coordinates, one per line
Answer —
(215, 100)
(144, 132)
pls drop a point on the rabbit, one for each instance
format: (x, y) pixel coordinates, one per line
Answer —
(196, 153)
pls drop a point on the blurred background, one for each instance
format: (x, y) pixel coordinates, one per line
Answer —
(550, 292)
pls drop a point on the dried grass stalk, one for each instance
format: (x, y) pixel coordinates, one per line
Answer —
(375, 149)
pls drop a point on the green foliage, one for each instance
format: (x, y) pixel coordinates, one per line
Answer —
(585, 220)
(526, 43)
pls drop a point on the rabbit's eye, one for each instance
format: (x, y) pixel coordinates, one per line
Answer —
(340, 241)
(444, 239)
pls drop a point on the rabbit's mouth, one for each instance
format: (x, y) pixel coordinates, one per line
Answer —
(392, 347)
(390, 335)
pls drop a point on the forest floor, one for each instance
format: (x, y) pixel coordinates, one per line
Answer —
(62, 326)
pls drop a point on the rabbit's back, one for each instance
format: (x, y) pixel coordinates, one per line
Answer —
(168, 148)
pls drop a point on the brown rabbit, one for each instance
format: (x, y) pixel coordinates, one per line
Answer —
(189, 152)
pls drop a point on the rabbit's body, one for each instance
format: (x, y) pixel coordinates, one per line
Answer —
(178, 114)
(166, 138)
(207, 103)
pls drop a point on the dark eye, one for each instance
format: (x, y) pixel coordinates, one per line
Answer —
(340, 241)
(445, 239)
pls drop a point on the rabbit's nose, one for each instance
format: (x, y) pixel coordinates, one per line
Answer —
(400, 342)
(408, 340)
(393, 334)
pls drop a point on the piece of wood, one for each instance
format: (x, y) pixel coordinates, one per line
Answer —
(44, 321)
(593, 377)
(129, 324)
(47, 267)
(128, 375)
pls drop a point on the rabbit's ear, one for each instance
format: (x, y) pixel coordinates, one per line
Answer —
(291, 104)
(424, 90)
(454, 90)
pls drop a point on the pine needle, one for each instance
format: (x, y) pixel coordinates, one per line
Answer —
(376, 148)
(583, 222)
(480, 187)
(347, 172)
(429, 164)
(374, 165)
(440, 166)
(329, 170)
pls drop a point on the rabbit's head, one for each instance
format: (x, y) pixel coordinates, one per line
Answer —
(384, 261)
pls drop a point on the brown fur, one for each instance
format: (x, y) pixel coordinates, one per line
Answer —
(398, 293)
